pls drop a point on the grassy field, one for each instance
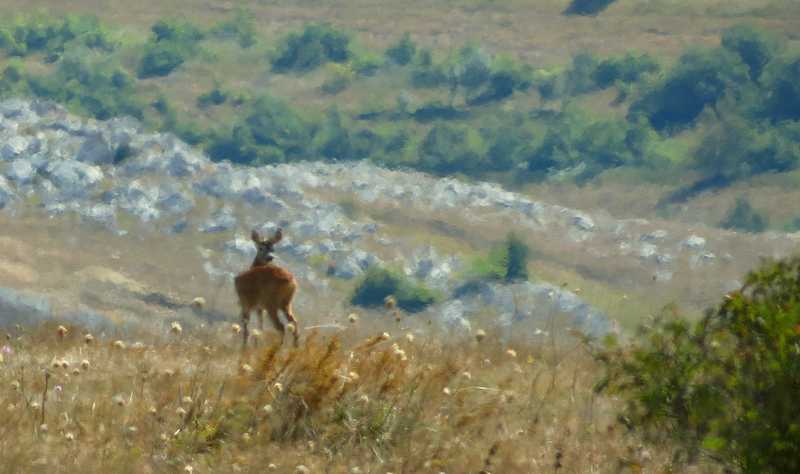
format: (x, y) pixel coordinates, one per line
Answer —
(351, 400)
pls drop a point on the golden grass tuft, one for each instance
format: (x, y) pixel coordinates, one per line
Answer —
(380, 404)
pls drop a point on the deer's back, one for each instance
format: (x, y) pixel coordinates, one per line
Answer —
(266, 282)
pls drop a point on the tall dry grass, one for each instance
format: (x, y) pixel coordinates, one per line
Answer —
(189, 401)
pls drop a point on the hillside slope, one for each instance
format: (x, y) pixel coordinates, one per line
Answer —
(137, 240)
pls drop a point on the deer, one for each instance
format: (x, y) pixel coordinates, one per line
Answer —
(266, 287)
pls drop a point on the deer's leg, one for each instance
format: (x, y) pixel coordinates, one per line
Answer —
(261, 319)
(276, 321)
(245, 332)
(287, 310)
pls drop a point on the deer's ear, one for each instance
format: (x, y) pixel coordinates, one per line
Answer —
(256, 237)
(277, 237)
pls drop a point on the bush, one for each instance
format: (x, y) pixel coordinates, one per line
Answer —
(782, 89)
(174, 42)
(517, 253)
(629, 69)
(403, 51)
(738, 148)
(755, 47)
(89, 87)
(700, 79)
(41, 32)
(726, 386)
(586, 7)
(742, 217)
(315, 46)
(507, 261)
(381, 283)
(239, 26)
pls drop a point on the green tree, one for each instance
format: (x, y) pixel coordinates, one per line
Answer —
(782, 88)
(517, 254)
(700, 79)
(755, 47)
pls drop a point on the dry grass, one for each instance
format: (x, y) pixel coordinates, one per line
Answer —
(343, 400)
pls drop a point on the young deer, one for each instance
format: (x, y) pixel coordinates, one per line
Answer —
(266, 287)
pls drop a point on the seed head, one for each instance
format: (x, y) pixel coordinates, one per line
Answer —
(88, 339)
(480, 335)
(256, 333)
(245, 369)
(199, 302)
(118, 401)
(446, 391)
(35, 406)
(76, 371)
(119, 344)
(64, 364)
(69, 436)
(176, 327)
(43, 428)
(353, 318)
(389, 302)
(235, 328)
(410, 337)
(512, 353)
(62, 331)
(384, 337)
(267, 408)
(550, 295)
(180, 411)
(85, 364)
(187, 400)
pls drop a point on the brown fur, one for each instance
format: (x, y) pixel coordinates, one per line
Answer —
(267, 288)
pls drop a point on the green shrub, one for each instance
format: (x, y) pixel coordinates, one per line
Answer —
(239, 26)
(90, 87)
(381, 283)
(173, 43)
(726, 386)
(39, 31)
(507, 261)
(402, 52)
(793, 225)
(629, 69)
(700, 79)
(782, 89)
(742, 217)
(315, 46)
(755, 47)
(586, 7)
